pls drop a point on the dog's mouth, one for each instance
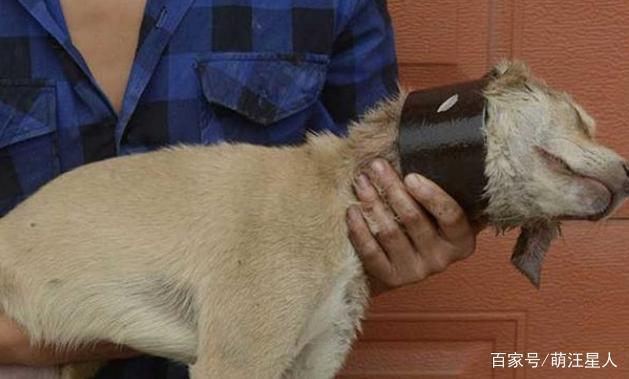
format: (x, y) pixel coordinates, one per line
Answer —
(605, 196)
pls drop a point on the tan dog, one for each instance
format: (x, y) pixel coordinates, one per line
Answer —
(235, 258)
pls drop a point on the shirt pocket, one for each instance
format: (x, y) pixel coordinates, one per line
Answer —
(28, 146)
(250, 94)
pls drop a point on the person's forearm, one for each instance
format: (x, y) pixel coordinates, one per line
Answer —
(15, 349)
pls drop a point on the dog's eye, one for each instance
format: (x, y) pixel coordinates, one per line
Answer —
(554, 162)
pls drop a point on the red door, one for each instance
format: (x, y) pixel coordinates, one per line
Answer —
(449, 325)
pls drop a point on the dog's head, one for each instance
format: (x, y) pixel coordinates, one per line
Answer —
(543, 163)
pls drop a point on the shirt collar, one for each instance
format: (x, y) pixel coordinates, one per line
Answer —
(161, 18)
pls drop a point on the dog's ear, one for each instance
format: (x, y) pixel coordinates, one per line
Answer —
(532, 245)
(510, 74)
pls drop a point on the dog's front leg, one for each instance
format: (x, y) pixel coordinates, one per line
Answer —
(86, 370)
(323, 357)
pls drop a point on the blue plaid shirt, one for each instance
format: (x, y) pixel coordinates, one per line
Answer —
(256, 71)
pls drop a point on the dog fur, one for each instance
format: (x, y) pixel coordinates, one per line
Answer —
(235, 259)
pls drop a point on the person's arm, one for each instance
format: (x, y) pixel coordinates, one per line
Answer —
(432, 231)
(15, 349)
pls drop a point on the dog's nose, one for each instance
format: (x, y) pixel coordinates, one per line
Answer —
(626, 185)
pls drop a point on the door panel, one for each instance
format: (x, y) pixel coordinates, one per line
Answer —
(440, 41)
(448, 325)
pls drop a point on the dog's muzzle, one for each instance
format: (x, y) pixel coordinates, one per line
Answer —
(441, 137)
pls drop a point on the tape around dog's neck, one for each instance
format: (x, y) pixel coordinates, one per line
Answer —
(441, 137)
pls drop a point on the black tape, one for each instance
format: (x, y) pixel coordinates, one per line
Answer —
(441, 137)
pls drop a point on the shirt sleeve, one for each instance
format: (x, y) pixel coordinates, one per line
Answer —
(363, 66)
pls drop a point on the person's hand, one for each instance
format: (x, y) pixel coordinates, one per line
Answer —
(418, 231)
(16, 349)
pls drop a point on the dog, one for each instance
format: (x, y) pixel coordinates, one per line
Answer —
(234, 259)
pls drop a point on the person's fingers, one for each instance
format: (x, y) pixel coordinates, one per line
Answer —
(449, 215)
(373, 258)
(415, 220)
(383, 224)
(390, 235)
(388, 248)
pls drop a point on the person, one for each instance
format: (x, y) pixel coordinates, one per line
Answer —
(86, 81)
